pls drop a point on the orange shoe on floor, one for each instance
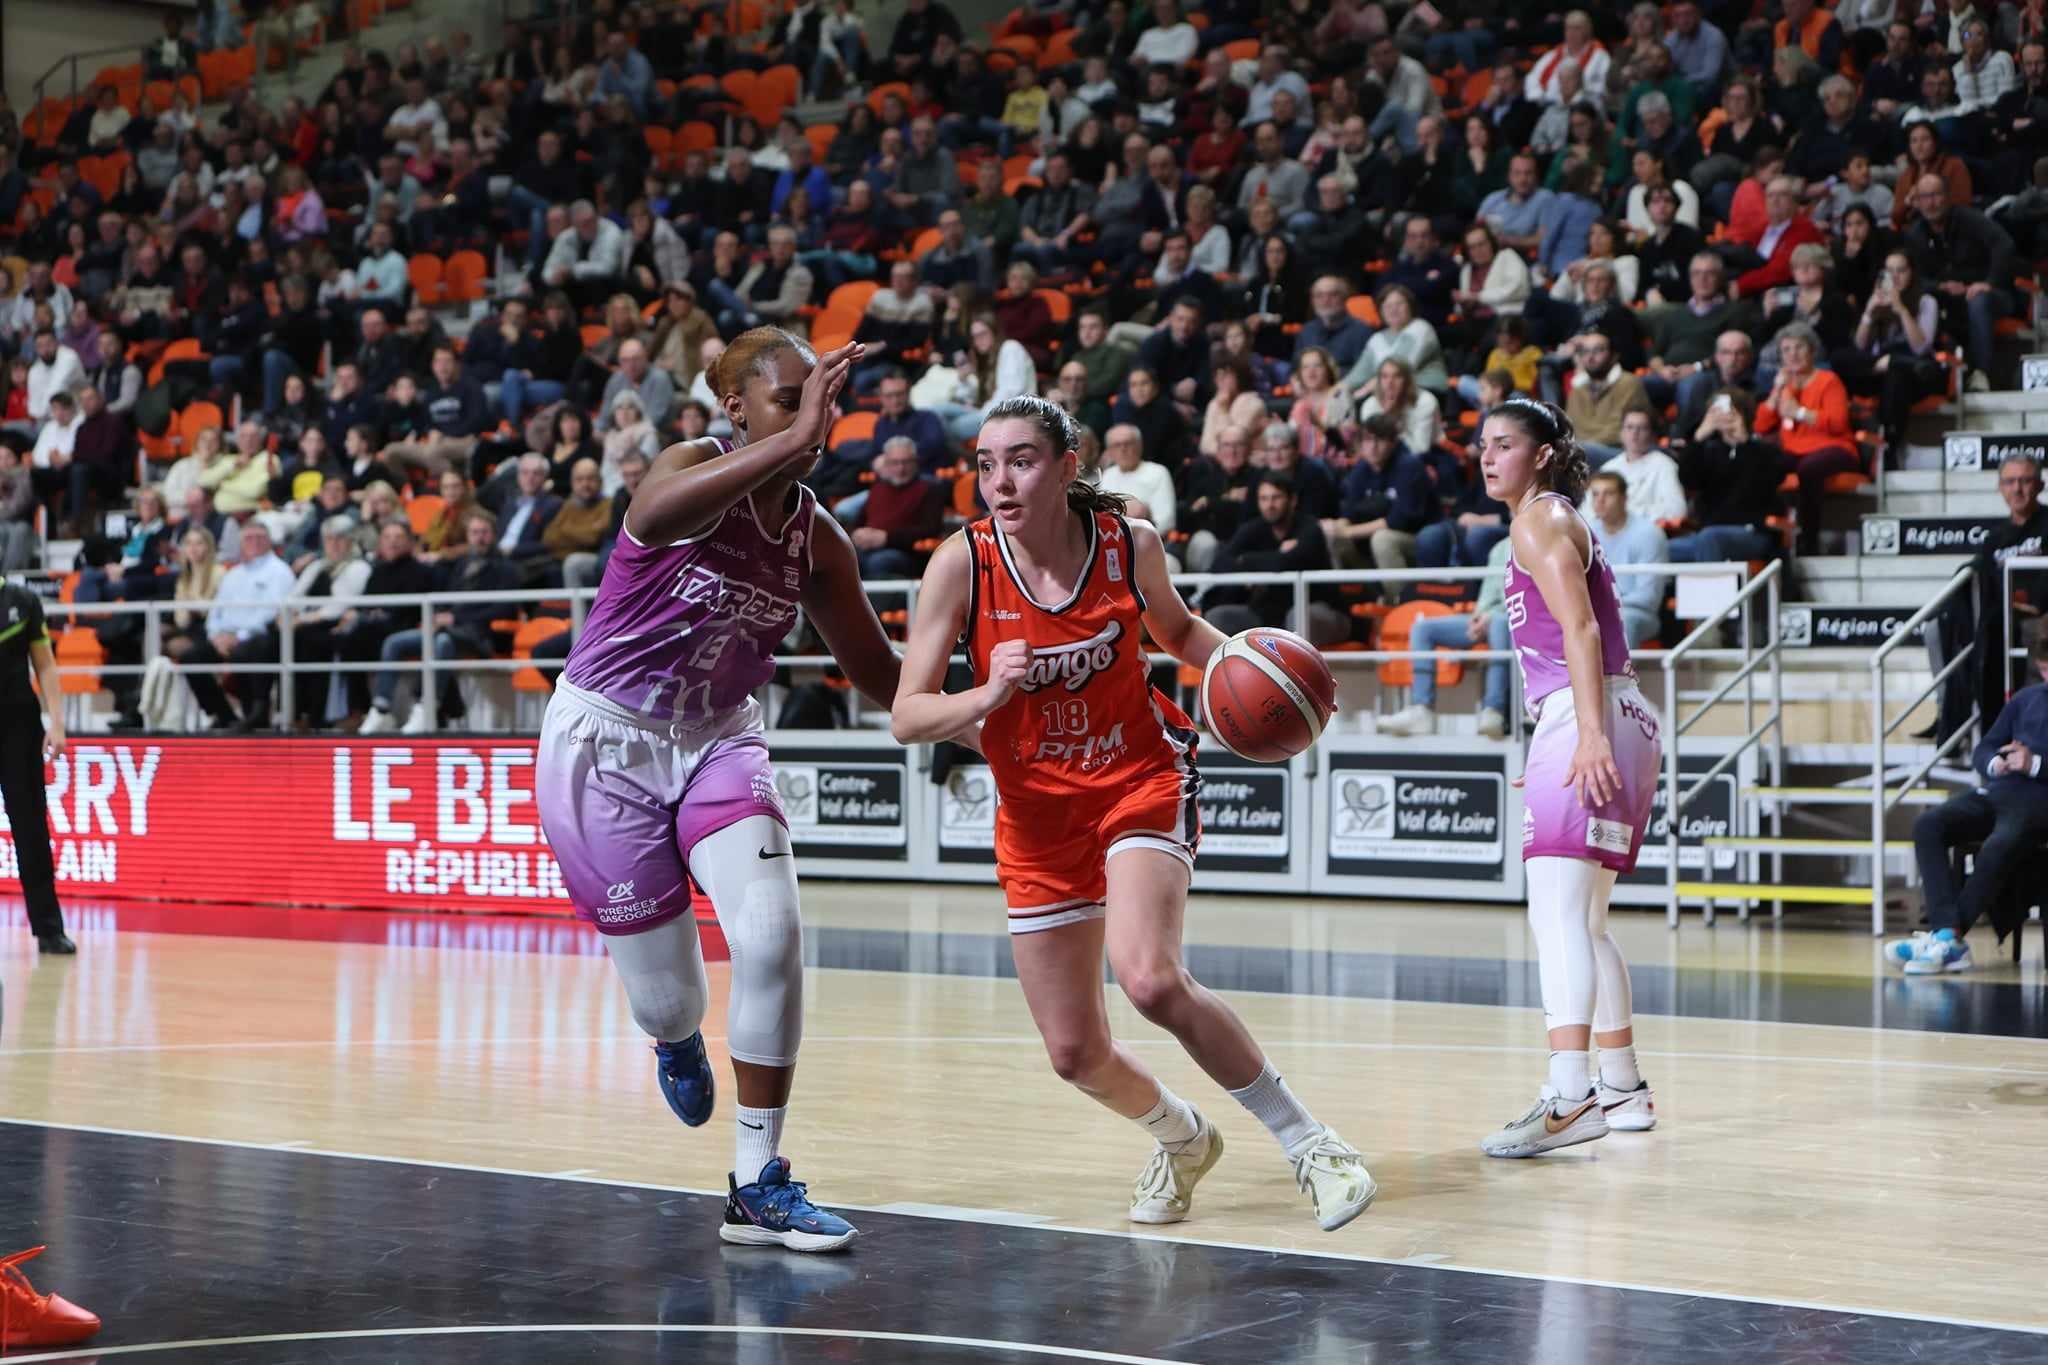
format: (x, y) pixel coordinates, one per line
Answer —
(31, 1319)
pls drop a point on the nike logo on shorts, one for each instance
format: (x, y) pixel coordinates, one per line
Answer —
(765, 855)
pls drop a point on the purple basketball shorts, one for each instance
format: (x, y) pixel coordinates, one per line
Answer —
(1555, 823)
(624, 799)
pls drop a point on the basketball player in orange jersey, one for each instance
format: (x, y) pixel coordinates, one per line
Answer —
(1096, 822)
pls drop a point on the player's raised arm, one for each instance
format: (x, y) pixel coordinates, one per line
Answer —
(1178, 631)
(692, 485)
(923, 714)
(846, 618)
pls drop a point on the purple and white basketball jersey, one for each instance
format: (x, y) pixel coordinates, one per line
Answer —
(1539, 637)
(689, 630)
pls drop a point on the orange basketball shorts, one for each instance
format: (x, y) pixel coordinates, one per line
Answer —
(1052, 855)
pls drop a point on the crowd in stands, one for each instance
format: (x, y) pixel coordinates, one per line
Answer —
(1278, 257)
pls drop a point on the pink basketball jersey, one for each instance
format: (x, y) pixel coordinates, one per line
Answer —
(1539, 637)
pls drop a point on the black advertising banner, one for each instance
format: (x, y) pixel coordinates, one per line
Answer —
(1987, 450)
(1818, 627)
(1440, 817)
(1247, 817)
(1712, 813)
(846, 803)
(1927, 535)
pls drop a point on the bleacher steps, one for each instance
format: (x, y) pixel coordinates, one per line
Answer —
(1735, 892)
(1843, 796)
(1846, 847)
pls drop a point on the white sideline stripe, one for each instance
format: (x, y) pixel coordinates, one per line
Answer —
(1405, 1262)
(679, 1329)
(1032, 1040)
(956, 1214)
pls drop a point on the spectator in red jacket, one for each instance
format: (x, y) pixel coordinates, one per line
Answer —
(1785, 227)
(903, 507)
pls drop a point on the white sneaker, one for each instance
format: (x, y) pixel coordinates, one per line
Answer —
(1550, 1123)
(417, 722)
(1492, 724)
(1333, 1174)
(1628, 1111)
(1904, 950)
(377, 722)
(1409, 720)
(1166, 1187)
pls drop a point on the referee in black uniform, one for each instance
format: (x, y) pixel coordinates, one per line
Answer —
(25, 742)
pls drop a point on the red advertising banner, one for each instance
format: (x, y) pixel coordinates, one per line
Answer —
(443, 824)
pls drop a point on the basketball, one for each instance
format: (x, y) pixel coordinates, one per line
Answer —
(1267, 694)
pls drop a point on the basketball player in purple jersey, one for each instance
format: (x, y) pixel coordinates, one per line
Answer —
(653, 767)
(1587, 786)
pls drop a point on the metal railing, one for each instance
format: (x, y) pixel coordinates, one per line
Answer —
(1884, 800)
(428, 670)
(1675, 801)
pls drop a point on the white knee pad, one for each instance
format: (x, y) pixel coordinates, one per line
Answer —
(755, 898)
(663, 971)
(1561, 895)
(1614, 1005)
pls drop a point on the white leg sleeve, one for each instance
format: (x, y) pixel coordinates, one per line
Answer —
(1614, 1007)
(663, 972)
(756, 901)
(1561, 894)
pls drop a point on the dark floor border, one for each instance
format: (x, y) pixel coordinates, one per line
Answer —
(182, 1240)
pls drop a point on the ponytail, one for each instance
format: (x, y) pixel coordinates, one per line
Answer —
(1088, 499)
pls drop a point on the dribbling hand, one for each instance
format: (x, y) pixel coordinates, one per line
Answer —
(1008, 662)
(1592, 772)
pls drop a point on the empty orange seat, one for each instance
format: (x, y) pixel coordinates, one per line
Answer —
(1394, 630)
(425, 271)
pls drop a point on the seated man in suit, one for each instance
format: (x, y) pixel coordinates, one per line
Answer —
(2008, 816)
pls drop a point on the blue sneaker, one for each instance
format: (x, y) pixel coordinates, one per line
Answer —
(1900, 951)
(1943, 952)
(684, 1073)
(775, 1211)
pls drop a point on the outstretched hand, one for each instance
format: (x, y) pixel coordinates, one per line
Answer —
(821, 396)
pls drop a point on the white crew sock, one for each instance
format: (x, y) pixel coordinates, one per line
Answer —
(1273, 1104)
(1173, 1122)
(1618, 1067)
(758, 1138)
(1568, 1075)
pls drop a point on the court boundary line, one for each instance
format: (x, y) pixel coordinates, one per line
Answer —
(1402, 1263)
(537, 1329)
(1018, 1040)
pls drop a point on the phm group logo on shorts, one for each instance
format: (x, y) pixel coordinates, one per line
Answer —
(967, 810)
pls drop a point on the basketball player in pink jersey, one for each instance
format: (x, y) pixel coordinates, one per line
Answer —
(1592, 770)
(653, 767)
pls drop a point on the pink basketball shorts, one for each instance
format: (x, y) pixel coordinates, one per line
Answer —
(1555, 823)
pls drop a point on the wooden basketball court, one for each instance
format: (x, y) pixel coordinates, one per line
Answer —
(265, 1136)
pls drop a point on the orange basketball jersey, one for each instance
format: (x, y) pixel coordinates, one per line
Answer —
(1086, 720)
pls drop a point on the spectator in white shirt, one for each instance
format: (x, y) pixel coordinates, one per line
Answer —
(1982, 74)
(1579, 48)
(241, 632)
(52, 453)
(1171, 41)
(1146, 487)
(56, 369)
(1654, 490)
(589, 259)
(416, 127)
(381, 276)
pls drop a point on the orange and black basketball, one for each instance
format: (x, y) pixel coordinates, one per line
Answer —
(1267, 694)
